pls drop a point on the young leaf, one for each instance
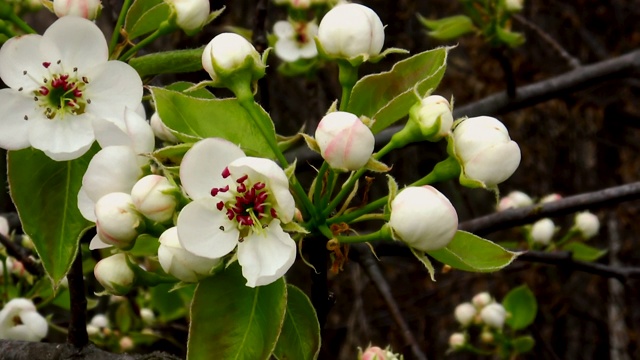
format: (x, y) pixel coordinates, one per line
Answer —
(300, 336)
(420, 255)
(584, 252)
(448, 28)
(523, 344)
(386, 97)
(230, 320)
(145, 16)
(168, 62)
(470, 252)
(522, 306)
(45, 193)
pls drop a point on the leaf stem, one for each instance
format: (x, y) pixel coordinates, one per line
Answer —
(164, 29)
(383, 234)
(21, 24)
(116, 30)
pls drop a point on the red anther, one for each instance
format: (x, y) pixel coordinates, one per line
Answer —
(224, 189)
(274, 214)
(77, 93)
(46, 64)
(64, 77)
(242, 179)
(55, 83)
(226, 173)
(230, 214)
(259, 186)
(259, 208)
(215, 192)
(241, 188)
(44, 91)
(220, 205)
(262, 197)
(72, 103)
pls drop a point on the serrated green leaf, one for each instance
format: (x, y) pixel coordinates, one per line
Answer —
(145, 16)
(172, 155)
(183, 86)
(232, 321)
(522, 306)
(422, 257)
(171, 305)
(523, 344)
(584, 252)
(45, 193)
(387, 97)
(300, 336)
(191, 119)
(470, 252)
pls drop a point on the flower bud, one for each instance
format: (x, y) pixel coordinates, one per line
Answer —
(465, 313)
(19, 320)
(152, 196)
(100, 321)
(514, 5)
(433, 117)
(126, 343)
(228, 56)
(147, 316)
(88, 9)
(515, 199)
(542, 231)
(191, 15)
(180, 263)
(588, 224)
(486, 153)
(457, 340)
(481, 300)
(493, 315)
(351, 30)
(486, 337)
(4, 227)
(374, 353)
(114, 274)
(423, 218)
(117, 220)
(160, 130)
(345, 142)
(550, 198)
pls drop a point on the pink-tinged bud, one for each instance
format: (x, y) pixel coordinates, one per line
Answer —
(88, 9)
(191, 15)
(433, 117)
(117, 220)
(345, 142)
(423, 218)
(481, 300)
(152, 196)
(457, 340)
(374, 353)
(588, 224)
(494, 315)
(180, 263)
(465, 313)
(161, 131)
(542, 231)
(515, 199)
(126, 343)
(229, 58)
(114, 274)
(550, 198)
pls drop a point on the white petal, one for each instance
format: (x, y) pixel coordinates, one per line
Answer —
(134, 131)
(112, 86)
(206, 231)
(266, 257)
(287, 50)
(63, 138)
(36, 324)
(14, 130)
(284, 30)
(102, 177)
(80, 42)
(202, 166)
(308, 50)
(86, 205)
(96, 243)
(19, 54)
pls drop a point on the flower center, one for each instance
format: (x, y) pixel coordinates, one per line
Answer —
(247, 204)
(60, 93)
(301, 35)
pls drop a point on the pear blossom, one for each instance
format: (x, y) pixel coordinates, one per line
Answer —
(494, 315)
(587, 223)
(345, 142)
(191, 15)
(180, 263)
(62, 88)
(457, 340)
(238, 201)
(542, 231)
(117, 220)
(19, 320)
(481, 300)
(465, 313)
(4, 227)
(295, 40)
(515, 199)
(228, 56)
(160, 130)
(114, 274)
(433, 117)
(153, 197)
(88, 9)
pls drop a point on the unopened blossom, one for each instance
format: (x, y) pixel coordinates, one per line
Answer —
(114, 274)
(542, 231)
(238, 201)
(588, 224)
(494, 315)
(481, 300)
(465, 313)
(155, 198)
(61, 86)
(20, 320)
(514, 5)
(377, 353)
(423, 218)
(345, 142)
(191, 15)
(117, 221)
(433, 117)
(88, 9)
(515, 199)
(4, 227)
(229, 56)
(351, 30)
(181, 263)
(147, 316)
(295, 40)
(485, 151)
(550, 198)
(126, 343)
(457, 340)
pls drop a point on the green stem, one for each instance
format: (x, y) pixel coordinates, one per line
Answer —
(383, 234)
(317, 190)
(116, 31)
(21, 24)
(164, 29)
(348, 76)
(568, 236)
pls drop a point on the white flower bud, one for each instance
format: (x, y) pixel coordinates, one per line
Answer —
(550, 198)
(487, 337)
(433, 117)
(494, 315)
(160, 130)
(4, 227)
(191, 15)
(457, 340)
(514, 5)
(147, 316)
(423, 218)
(345, 142)
(179, 262)
(126, 343)
(481, 300)
(114, 274)
(88, 9)
(515, 199)
(92, 330)
(100, 321)
(588, 224)
(117, 220)
(351, 30)
(19, 320)
(229, 53)
(542, 231)
(465, 313)
(152, 196)
(486, 153)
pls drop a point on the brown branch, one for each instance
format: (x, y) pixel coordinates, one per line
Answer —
(77, 335)
(22, 255)
(564, 54)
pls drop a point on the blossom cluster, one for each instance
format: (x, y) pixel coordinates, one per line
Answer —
(482, 312)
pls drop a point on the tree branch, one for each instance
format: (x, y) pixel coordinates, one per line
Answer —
(22, 255)
(77, 336)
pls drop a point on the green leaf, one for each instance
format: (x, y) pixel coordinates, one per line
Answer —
(168, 62)
(300, 336)
(183, 86)
(171, 305)
(232, 321)
(422, 257)
(191, 119)
(387, 97)
(522, 306)
(146, 245)
(145, 16)
(448, 28)
(584, 252)
(470, 252)
(523, 344)
(512, 39)
(45, 193)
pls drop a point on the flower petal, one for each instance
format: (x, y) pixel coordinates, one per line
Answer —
(96, 243)
(308, 50)
(287, 50)
(202, 166)
(110, 83)
(266, 257)
(102, 177)
(284, 30)
(14, 130)
(135, 132)
(86, 205)
(80, 42)
(63, 138)
(19, 54)
(206, 231)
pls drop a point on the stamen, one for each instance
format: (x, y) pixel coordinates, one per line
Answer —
(85, 80)
(220, 205)
(75, 69)
(274, 214)
(226, 173)
(241, 188)
(88, 101)
(58, 62)
(46, 64)
(259, 186)
(242, 179)
(44, 91)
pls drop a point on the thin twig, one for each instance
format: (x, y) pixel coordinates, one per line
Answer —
(77, 336)
(22, 255)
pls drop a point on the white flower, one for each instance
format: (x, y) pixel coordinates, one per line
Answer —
(351, 30)
(161, 131)
(481, 300)
(100, 321)
(542, 231)
(345, 142)
(465, 313)
(179, 262)
(457, 340)
(114, 274)
(295, 40)
(152, 196)
(147, 316)
(433, 117)
(588, 224)
(19, 320)
(191, 15)
(485, 151)
(62, 87)
(117, 220)
(423, 218)
(237, 201)
(494, 315)
(88, 9)
(229, 54)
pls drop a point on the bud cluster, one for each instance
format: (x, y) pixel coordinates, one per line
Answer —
(482, 313)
